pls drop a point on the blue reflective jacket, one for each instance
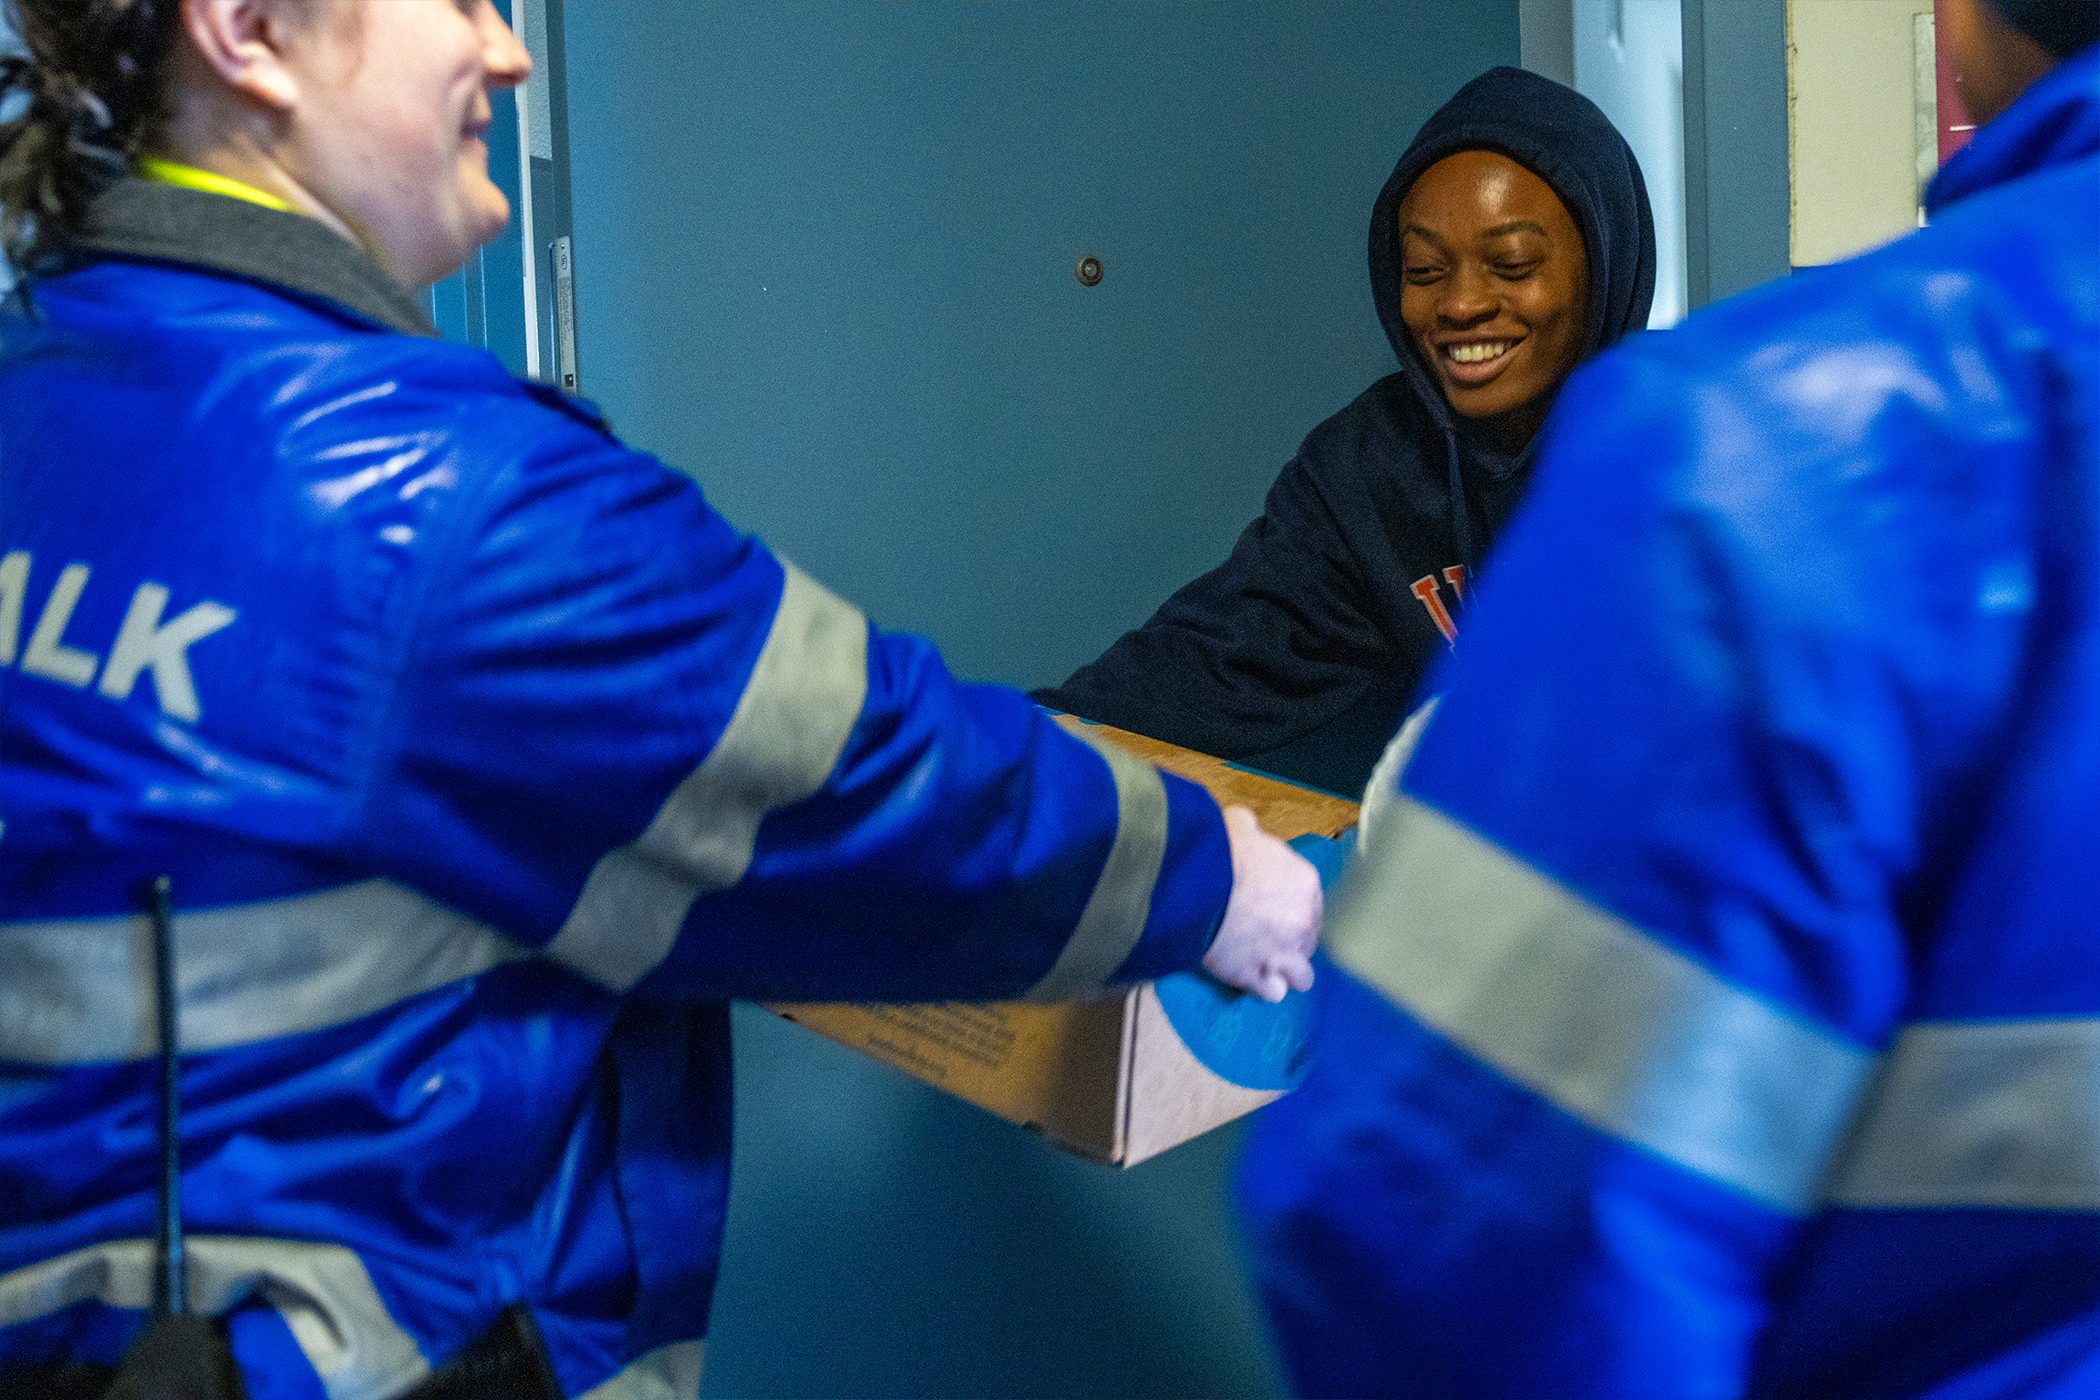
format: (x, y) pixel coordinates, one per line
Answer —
(487, 762)
(1723, 1008)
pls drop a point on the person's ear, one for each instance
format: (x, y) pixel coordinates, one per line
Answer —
(248, 44)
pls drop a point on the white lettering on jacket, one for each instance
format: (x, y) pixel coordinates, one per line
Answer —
(142, 641)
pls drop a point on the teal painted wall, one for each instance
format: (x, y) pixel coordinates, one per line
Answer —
(825, 259)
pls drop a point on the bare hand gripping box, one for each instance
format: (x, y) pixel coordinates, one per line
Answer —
(1126, 1075)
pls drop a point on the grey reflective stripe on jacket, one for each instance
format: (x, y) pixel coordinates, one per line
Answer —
(322, 1292)
(667, 1373)
(785, 736)
(78, 991)
(2001, 1114)
(1114, 917)
(1651, 1047)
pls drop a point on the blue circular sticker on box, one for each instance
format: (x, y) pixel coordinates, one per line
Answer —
(1236, 1035)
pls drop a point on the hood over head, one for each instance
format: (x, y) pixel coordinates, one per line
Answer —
(1560, 136)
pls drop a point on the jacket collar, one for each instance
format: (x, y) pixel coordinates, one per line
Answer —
(137, 218)
(2054, 122)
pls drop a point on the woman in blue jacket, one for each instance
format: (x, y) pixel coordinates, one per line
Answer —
(486, 761)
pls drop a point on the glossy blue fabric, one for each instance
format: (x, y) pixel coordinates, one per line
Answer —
(478, 643)
(1793, 665)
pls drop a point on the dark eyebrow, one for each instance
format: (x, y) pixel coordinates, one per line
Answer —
(1498, 231)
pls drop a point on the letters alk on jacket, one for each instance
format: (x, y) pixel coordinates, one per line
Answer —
(1723, 1001)
(487, 763)
(1311, 638)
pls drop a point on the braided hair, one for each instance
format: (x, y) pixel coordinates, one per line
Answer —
(75, 111)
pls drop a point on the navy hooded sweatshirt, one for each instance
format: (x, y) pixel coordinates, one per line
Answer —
(1300, 653)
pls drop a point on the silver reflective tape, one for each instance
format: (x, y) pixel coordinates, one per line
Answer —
(1587, 1011)
(2001, 1114)
(784, 738)
(1115, 913)
(321, 1291)
(81, 990)
(667, 1373)
(1383, 789)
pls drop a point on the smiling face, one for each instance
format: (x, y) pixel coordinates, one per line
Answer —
(393, 100)
(1495, 287)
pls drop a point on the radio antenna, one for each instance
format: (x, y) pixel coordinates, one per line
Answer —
(171, 1294)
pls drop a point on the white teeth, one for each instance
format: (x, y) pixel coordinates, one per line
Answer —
(1477, 354)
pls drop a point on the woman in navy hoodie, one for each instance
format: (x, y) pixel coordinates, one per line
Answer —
(1512, 241)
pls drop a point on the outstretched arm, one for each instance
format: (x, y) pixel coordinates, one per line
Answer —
(681, 768)
(1267, 647)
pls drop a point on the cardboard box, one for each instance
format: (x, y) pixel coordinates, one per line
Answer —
(1126, 1075)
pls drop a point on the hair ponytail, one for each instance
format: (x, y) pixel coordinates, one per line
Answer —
(78, 107)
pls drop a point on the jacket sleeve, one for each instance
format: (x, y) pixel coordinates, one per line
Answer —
(1273, 643)
(632, 738)
(1625, 959)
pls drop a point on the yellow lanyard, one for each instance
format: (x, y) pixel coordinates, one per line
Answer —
(169, 172)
